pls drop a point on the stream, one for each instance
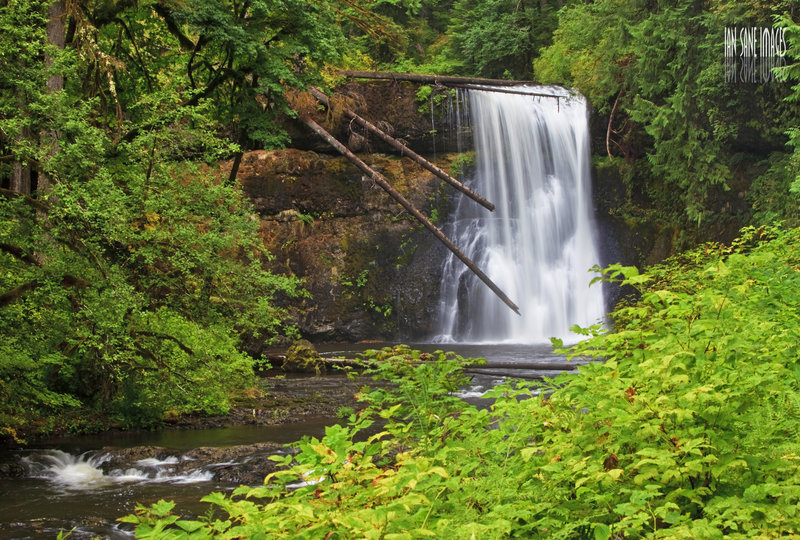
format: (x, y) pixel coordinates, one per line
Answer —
(83, 483)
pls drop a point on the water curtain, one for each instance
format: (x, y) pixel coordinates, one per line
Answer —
(532, 161)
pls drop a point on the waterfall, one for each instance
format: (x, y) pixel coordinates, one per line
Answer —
(532, 161)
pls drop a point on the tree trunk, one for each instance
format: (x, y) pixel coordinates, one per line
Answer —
(20, 178)
(56, 16)
(381, 181)
(445, 80)
(406, 151)
(237, 161)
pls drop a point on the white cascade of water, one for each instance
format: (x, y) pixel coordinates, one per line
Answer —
(85, 471)
(532, 161)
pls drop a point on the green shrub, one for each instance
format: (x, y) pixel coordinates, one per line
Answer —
(688, 428)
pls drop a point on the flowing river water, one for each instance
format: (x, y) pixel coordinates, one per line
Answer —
(84, 483)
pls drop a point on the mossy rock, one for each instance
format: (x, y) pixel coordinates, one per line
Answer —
(303, 357)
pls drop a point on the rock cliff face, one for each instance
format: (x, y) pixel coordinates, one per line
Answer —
(372, 271)
(425, 125)
(370, 268)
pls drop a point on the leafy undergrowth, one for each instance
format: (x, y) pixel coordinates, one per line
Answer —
(688, 429)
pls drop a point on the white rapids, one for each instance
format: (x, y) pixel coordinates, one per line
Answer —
(85, 471)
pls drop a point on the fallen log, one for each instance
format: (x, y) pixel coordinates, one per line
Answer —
(529, 376)
(406, 151)
(532, 366)
(445, 80)
(504, 91)
(515, 366)
(381, 181)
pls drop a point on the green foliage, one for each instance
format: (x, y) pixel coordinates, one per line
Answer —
(500, 38)
(687, 429)
(776, 194)
(462, 164)
(359, 281)
(423, 97)
(692, 129)
(128, 289)
(239, 58)
(405, 36)
(344, 412)
(305, 219)
(496, 38)
(144, 288)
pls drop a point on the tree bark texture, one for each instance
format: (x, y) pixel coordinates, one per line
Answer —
(56, 24)
(20, 178)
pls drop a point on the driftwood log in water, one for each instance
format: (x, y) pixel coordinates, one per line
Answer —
(528, 376)
(527, 366)
(378, 178)
(406, 151)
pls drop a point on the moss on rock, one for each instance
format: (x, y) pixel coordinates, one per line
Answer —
(303, 357)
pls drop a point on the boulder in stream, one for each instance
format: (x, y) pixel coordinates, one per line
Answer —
(303, 357)
(246, 464)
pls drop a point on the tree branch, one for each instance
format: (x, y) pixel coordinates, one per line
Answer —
(35, 203)
(220, 77)
(16, 293)
(19, 254)
(175, 340)
(139, 57)
(610, 122)
(172, 26)
(160, 365)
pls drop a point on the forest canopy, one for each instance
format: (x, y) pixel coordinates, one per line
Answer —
(130, 271)
(129, 266)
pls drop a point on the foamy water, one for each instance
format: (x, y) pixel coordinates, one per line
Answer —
(85, 471)
(532, 161)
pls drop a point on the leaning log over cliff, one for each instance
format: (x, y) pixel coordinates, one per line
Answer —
(384, 184)
(406, 151)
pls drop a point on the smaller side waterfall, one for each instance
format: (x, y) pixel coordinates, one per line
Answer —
(532, 161)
